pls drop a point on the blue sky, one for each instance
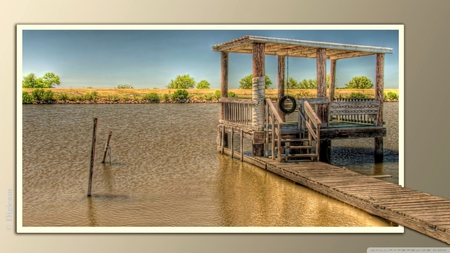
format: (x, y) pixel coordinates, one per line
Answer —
(151, 58)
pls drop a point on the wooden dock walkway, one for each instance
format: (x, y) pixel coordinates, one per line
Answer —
(416, 210)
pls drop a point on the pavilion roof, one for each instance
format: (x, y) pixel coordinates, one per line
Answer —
(299, 48)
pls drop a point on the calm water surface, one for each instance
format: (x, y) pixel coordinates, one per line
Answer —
(165, 171)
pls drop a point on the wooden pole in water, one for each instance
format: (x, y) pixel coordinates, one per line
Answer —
(107, 147)
(91, 167)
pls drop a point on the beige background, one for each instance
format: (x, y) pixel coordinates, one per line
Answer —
(427, 123)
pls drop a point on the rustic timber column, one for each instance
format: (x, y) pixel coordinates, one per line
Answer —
(332, 79)
(223, 78)
(223, 90)
(321, 64)
(258, 95)
(281, 67)
(379, 76)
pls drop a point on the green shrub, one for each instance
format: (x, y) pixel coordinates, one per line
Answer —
(357, 95)
(91, 96)
(166, 97)
(217, 94)
(112, 97)
(38, 94)
(75, 97)
(152, 97)
(180, 95)
(209, 97)
(48, 96)
(26, 98)
(62, 96)
(391, 95)
(231, 94)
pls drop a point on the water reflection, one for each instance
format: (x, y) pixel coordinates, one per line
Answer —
(250, 196)
(91, 213)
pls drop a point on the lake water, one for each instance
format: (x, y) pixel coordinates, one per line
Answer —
(165, 171)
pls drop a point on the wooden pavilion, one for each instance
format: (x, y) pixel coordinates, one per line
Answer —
(319, 121)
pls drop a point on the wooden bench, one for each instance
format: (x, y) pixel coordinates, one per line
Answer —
(361, 111)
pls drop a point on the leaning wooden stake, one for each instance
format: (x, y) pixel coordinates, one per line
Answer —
(91, 168)
(107, 147)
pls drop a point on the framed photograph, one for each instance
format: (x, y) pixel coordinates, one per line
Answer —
(208, 128)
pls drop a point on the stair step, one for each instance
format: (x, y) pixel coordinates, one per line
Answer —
(298, 155)
(294, 140)
(287, 132)
(298, 147)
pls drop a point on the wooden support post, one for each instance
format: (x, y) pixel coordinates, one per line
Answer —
(224, 74)
(321, 63)
(332, 79)
(241, 144)
(231, 142)
(222, 142)
(379, 75)
(325, 151)
(107, 146)
(258, 94)
(91, 167)
(224, 88)
(281, 81)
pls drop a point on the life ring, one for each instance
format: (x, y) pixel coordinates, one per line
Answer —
(281, 104)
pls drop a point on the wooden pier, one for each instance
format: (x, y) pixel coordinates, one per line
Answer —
(416, 210)
(279, 146)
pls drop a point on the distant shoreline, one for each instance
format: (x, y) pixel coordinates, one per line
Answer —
(141, 96)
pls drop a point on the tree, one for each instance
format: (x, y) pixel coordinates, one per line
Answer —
(203, 84)
(359, 82)
(125, 86)
(292, 83)
(308, 84)
(312, 83)
(47, 81)
(29, 81)
(182, 82)
(246, 82)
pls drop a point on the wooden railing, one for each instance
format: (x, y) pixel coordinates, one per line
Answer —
(273, 126)
(314, 103)
(309, 123)
(237, 111)
(363, 111)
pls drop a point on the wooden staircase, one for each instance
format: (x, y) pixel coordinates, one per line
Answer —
(291, 141)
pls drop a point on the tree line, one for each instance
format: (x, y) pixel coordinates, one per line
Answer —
(187, 82)
(49, 80)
